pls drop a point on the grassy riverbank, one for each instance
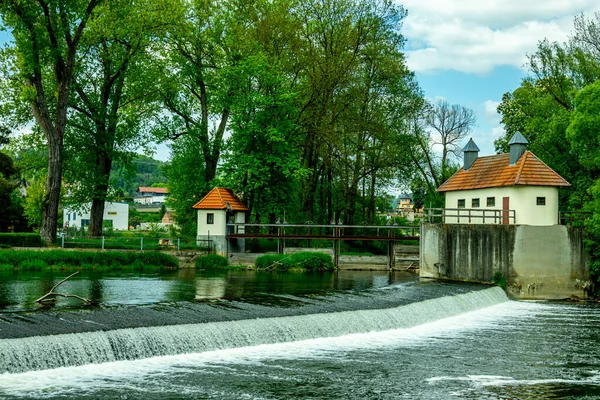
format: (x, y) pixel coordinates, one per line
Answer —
(32, 260)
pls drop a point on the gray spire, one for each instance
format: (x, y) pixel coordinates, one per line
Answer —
(470, 154)
(518, 145)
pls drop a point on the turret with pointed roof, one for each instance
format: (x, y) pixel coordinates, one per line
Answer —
(470, 152)
(518, 145)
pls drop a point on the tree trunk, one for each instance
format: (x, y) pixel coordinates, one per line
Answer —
(96, 217)
(53, 181)
(100, 190)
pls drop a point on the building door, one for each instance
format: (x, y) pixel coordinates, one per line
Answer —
(505, 208)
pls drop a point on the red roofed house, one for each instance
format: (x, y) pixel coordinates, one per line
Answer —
(516, 181)
(218, 208)
(150, 195)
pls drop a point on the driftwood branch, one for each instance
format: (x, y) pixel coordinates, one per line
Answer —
(53, 293)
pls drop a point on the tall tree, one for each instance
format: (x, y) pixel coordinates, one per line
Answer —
(196, 85)
(47, 37)
(112, 100)
(451, 125)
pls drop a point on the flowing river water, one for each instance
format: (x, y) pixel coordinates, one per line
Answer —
(240, 335)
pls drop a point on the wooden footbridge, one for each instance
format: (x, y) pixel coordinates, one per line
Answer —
(336, 233)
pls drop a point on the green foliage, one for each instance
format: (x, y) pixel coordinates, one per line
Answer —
(211, 261)
(499, 279)
(308, 261)
(40, 260)
(187, 185)
(557, 110)
(21, 240)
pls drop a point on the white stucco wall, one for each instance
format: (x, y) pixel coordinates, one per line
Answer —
(240, 218)
(218, 228)
(523, 199)
(118, 213)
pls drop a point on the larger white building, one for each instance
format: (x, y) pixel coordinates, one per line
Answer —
(118, 213)
(513, 188)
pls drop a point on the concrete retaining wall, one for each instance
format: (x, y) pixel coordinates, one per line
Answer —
(539, 262)
(407, 258)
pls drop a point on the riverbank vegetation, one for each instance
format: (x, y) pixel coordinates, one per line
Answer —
(40, 260)
(308, 261)
(303, 261)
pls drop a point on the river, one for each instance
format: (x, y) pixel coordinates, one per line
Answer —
(368, 336)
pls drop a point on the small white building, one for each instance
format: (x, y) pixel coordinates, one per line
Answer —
(118, 213)
(218, 208)
(150, 195)
(514, 188)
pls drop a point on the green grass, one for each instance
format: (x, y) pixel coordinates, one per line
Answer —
(83, 260)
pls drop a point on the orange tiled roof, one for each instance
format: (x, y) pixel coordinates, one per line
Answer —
(496, 171)
(144, 189)
(218, 198)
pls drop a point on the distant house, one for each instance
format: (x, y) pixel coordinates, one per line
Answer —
(517, 185)
(116, 213)
(218, 208)
(150, 195)
(405, 202)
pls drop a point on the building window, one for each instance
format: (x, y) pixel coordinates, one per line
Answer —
(541, 201)
(475, 203)
(461, 203)
(210, 218)
(112, 213)
(491, 201)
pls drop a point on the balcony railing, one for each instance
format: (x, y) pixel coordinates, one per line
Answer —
(469, 216)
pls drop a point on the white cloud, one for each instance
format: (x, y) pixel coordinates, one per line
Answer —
(476, 36)
(491, 111)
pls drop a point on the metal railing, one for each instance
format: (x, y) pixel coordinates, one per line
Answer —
(469, 216)
(573, 218)
(317, 231)
(135, 243)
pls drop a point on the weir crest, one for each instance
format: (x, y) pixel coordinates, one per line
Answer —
(54, 351)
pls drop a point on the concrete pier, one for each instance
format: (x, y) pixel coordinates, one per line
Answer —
(538, 262)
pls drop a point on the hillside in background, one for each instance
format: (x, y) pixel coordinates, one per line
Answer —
(145, 172)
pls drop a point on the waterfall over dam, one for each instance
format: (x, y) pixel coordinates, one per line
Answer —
(73, 349)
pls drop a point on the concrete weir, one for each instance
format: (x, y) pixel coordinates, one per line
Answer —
(538, 262)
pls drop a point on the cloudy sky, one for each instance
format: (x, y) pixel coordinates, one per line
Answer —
(470, 52)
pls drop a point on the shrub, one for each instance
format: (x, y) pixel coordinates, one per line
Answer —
(21, 240)
(211, 261)
(309, 261)
(270, 261)
(313, 261)
(499, 279)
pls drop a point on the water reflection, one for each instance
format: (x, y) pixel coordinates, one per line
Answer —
(19, 290)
